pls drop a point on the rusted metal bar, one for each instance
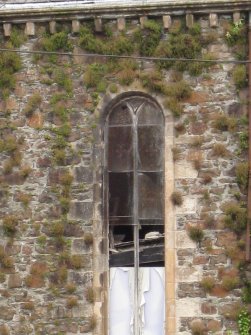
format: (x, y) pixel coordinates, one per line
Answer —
(249, 148)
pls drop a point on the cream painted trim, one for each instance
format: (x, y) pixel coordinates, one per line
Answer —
(170, 252)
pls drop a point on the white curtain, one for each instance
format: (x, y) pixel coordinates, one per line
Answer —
(151, 311)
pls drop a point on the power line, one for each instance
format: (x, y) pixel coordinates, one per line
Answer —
(212, 61)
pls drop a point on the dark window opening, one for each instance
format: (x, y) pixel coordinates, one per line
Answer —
(135, 170)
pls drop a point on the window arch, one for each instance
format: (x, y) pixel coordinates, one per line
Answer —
(134, 197)
(134, 140)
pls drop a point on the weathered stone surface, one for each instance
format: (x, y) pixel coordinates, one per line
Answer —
(80, 210)
(7, 29)
(14, 281)
(30, 28)
(121, 23)
(83, 174)
(167, 21)
(6, 313)
(36, 120)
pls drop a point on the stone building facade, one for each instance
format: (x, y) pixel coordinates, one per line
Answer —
(55, 99)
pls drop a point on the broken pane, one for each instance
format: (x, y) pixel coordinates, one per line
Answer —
(150, 196)
(120, 194)
(150, 148)
(120, 155)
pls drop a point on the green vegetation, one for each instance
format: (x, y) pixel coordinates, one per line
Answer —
(207, 283)
(223, 122)
(235, 217)
(241, 171)
(33, 103)
(10, 63)
(244, 322)
(148, 38)
(240, 76)
(10, 225)
(196, 234)
(119, 45)
(56, 42)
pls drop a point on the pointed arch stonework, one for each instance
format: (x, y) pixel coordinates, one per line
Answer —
(101, 242)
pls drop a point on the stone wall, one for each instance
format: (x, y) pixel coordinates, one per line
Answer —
(52, 255)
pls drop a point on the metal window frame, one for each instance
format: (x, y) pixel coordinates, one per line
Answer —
(136, 225)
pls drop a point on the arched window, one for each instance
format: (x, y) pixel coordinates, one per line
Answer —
(134, 190)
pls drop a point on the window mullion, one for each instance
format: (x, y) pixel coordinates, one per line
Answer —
(136, 228)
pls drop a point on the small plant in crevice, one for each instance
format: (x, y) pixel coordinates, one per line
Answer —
(208, 283)
(243, 322)
(10, 225)
(235, 216)
(76, 262)
(230, 282)
(196, 234)
(197, 327)
(174, 106)
(88, 238)
(241, 172)
(220, 150)
(239, 75)
(243, 138)
(176, 198)
(71, 302)
(176, 153)
(32, 104)
(89, 294)
(223, 122)
(70, 288)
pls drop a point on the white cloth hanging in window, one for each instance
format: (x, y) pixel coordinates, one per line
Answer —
(151, 312)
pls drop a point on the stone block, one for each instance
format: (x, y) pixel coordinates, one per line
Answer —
(185, 169)
(189, 275)
(183, 241)
(121, 23)
(98, 24)
(83, 174)
(213, 20)
(189, 20)
(7, 29)
(189, 206)
(14, 280)
(81, 210)
(167, 21)
(6, 313)
(75, 26)
(188, 307)
(52, 27)
(236, 17)
(142, 21)
(30, 29)
(208, 308)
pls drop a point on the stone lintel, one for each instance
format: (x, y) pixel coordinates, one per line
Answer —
(52, 27)
(75, 26)
(7, 29)
(213, 20)
(142, 21)
(189, 20)
(167, 21)
(121, 23)
(30, 28)
(98, 24)
(236, 17)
